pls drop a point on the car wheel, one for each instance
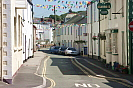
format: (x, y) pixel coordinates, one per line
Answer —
(65, 53)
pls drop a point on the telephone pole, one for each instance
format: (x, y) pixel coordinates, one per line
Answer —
(54, 16)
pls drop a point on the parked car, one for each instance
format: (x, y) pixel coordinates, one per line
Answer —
(71, 51)
(54, 49)
(62, 50)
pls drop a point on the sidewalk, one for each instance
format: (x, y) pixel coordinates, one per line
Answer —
(100, 64)
(29, 75)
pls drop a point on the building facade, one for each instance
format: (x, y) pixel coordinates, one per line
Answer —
(27, 31)
(44, 33)
(12, 34)
(93, 30)
(12, 17)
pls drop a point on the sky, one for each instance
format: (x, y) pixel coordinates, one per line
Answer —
(39, 12)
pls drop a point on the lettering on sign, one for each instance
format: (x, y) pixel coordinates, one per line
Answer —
(86, 85)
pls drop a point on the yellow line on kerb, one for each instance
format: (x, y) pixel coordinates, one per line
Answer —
(109, 78)
(44, 74)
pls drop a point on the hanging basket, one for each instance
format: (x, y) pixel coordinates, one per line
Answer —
(79, 41)
(102, 36)
(94, 38)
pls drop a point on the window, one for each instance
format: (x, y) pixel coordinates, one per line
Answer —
(4, 6)
(95, 12)
(19, 31)
(81, 30)
(68, 30)
(104, 49)
(122, 8)
(123, 50)
(15, 33)
(68, 43)
(94, 44)
(90, 42)
(85, 28)
(62, 31)
(115, 8)
(71, 43)
(4, 63)
(110, 13)
(76, 33)
(108, 42)
(71, 30)
(4, 16)
(4, 72)
(114, 43)
(65, 30)
(4, 25)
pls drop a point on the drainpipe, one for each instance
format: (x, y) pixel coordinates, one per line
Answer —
(127, 30)
(87, 28)
(99, 57)
(79, 38)
(130, 38)
(91, 31)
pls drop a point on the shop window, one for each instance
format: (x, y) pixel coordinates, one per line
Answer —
(108, 42)
(114, 43)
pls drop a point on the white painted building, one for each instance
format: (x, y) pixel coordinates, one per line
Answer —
(114, 26)
(12, 21)
(93, 29)
(12, 50)
(27, 31)
(71, 31)
(44, 32)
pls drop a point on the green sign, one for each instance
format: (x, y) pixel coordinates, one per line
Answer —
(104, 12)
(103, 6)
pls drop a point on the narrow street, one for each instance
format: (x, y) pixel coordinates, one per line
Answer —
(63, 72)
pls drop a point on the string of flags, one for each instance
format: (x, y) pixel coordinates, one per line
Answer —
(60, 6)
(66, 4)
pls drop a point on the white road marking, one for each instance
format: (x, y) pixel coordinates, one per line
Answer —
(96, 85)
(79, 85)
(89, 85)
(86, 85)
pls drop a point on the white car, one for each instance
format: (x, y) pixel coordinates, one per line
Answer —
(71, 51)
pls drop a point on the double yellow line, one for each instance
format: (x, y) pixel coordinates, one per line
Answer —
(44, 74)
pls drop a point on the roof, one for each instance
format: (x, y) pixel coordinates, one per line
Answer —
(79, 17)
(70, 15)
(82, 21)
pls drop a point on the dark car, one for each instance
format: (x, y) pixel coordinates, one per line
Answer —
(54, 49)
(62, 50)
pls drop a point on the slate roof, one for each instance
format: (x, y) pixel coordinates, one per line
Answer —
(80, 18)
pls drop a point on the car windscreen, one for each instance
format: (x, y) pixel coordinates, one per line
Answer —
(56, 47)
(73, 49)
(63, 48)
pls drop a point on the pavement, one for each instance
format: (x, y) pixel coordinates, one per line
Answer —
(30, 73)
(99, 68)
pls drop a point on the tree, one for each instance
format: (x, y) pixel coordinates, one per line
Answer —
(58, 18)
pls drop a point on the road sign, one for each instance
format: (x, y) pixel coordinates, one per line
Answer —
(104, 12)
(103, 6)
(131, 26)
